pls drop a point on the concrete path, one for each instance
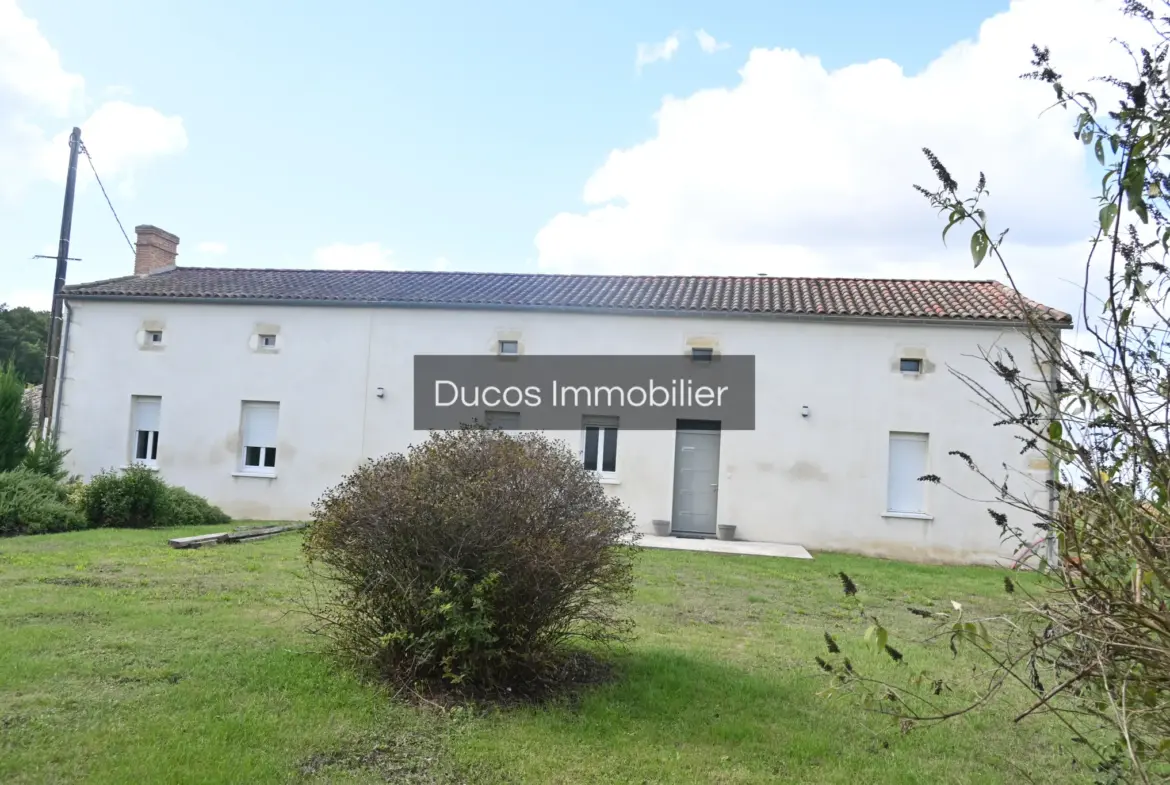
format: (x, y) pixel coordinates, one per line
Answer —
(723, 546)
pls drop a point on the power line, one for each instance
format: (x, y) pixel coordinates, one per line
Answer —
(89, 158)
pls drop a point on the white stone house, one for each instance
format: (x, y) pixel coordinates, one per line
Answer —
(260, 388)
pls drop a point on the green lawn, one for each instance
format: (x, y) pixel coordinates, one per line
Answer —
(124, 661)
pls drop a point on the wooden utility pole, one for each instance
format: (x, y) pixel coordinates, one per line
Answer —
(53, 347)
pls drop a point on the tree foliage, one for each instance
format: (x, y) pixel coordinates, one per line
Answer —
(32, 503)
(23, 333)
(1090, 642)
(47, 458)
(15, 419)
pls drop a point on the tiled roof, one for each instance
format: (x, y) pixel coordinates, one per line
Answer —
(759, 295)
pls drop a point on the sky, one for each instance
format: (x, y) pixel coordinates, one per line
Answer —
(732, 138)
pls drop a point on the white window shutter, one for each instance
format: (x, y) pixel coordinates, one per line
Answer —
(907, 464)
(504, 421)
(147, 413)
(598, 421)
(259, 426)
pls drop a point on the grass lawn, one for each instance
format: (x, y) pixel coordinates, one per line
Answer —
(124, 661)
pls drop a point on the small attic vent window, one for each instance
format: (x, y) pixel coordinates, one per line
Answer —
(509, 347)
(911, 365)
(268, 341)
(154, 336)
(702, 355)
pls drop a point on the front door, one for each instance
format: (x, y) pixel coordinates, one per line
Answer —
(696, 477)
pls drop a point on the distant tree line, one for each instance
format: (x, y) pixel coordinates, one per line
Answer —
(22, 341)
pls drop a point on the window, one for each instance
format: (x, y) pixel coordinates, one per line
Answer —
(504, 421)
(702, 355)
(144, 418)
(154, 336)
(258, 431)
(268, 341)
(910, 365)
(907, 463)
(600, 451)
(509, 347)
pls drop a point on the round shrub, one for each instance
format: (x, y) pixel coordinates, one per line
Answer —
(31, 503)
(184, 508)
(137, 498)
(134, 498)
(75, 494)
(475, 558)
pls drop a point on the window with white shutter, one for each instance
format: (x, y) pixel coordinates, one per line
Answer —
(145, 412)
(907, 463)
(503, 421)
(599, 452)
(258, 424)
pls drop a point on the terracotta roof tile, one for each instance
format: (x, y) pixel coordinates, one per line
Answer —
(839, 297)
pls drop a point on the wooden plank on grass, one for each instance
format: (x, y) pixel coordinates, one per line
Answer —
(263, 531)
(273, 525)
(252, 539)
(196, 541)
(240, 535)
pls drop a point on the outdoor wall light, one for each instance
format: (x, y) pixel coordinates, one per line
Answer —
(804, 411)
(381, 392)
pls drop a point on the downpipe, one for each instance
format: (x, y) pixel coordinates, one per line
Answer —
(61, 367)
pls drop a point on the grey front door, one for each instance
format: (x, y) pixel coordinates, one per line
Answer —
(696, 477)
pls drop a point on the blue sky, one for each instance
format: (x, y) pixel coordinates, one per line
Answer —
(447, 134)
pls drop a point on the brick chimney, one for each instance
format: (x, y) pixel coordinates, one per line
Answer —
(155, 250)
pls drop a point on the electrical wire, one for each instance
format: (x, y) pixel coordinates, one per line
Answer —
(89, 158)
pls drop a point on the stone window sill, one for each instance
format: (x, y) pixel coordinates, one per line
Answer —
(260, 475)
(912, 516)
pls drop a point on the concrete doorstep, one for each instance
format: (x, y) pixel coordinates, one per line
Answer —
(723, 546)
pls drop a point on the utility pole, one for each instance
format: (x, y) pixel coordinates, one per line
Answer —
(53, 348)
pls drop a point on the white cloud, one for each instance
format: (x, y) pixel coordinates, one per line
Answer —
(797, 170)
(367, 256)
(351, 256)
(212, 247)
(40, 100)
(653, 53)
(708, 43)
(121, 136)
(30, 68)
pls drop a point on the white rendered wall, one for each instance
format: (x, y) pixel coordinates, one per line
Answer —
(819, 481)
